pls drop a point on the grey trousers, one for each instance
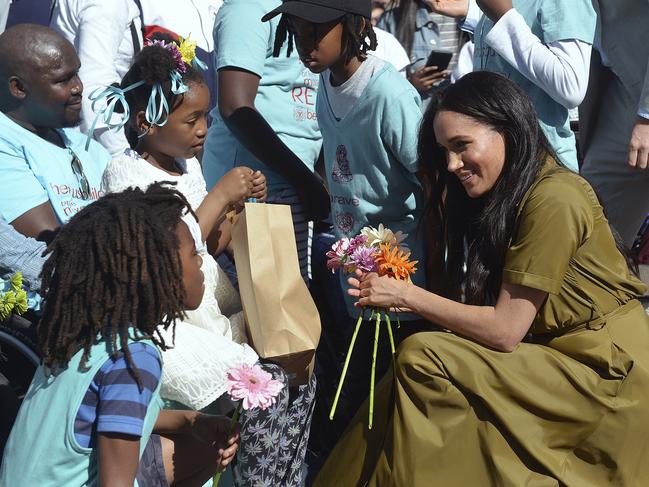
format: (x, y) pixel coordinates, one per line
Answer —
(624, 191)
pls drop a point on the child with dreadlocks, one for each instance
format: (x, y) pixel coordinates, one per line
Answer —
(369, 118)
(212, 338)
(121, 270)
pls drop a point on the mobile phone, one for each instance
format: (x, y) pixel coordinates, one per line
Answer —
(441, 59)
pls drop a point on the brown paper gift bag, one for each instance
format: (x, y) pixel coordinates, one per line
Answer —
(283, 323)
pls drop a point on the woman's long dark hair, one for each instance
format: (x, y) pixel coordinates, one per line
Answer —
(469, 237)
(405, 17)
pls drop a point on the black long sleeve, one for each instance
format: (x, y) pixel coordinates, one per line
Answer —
(255, 134)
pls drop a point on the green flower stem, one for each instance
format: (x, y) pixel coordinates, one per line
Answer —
(392, 347)
(347, 359)
(235, 417)
(377, 330)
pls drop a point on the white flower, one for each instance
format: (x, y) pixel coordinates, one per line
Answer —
(376, 236)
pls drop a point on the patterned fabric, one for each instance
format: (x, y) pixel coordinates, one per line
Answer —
(273, 441)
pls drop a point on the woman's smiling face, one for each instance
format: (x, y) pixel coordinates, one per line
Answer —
(475, 152)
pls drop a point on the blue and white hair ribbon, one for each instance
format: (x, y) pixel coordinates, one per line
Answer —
(177, 85)
(156, 113)
(109, 97)
(199, 64)
(157, 109)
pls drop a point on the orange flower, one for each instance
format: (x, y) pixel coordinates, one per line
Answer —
(394, 262)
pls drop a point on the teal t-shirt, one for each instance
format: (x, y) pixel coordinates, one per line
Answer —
(35, 171)
(550, 21)
(371, 158)
(286, 96)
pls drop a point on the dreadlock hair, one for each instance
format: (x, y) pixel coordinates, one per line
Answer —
(358, 37)
(114, 269)
(154, 64)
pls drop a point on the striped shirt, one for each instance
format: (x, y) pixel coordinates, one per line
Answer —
(301, 226)
(114, 403)
(449, 36)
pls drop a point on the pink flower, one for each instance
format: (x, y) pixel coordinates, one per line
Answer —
(172, 47)
(363, 259)
(252, 385)
(338, 254)
(356, 242)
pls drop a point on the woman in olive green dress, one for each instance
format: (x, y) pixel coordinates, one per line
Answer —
(542, 377)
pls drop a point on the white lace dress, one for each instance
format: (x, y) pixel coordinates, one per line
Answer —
(212, 338)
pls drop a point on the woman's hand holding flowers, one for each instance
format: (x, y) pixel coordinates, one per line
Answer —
(376, 291)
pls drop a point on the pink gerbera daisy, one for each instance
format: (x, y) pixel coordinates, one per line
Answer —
(253, 386)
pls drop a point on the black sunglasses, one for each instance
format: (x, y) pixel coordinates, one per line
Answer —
(77, 169)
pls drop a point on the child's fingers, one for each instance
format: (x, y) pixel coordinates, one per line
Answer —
(229, 452)
(258, 185)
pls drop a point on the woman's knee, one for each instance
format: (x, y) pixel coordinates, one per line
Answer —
(418, 352)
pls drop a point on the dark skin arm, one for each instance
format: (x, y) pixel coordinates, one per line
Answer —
(118, 459)
(40, 222)
(119, 453)
(231, 191)
(220, 238)
(237, 92)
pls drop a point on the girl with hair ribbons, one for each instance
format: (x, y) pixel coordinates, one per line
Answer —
(166, 103)
(542, 377)
(117, 275)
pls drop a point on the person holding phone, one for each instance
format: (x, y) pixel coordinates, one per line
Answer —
(544, 46)
(423, 32)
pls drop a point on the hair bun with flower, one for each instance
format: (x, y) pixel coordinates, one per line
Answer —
(187, 49)
(174, 54)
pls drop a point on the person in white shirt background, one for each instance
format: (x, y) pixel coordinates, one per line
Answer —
(187, 18)
(390, 49)
(542, 45)
(106, 36)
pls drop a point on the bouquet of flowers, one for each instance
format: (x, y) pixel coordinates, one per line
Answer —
(254, 388)
(13, 298)
(374, 250)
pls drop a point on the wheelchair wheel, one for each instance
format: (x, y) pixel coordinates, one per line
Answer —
(19, 358)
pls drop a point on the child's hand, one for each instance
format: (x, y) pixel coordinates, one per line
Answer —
(259, 191)
(237, 185)
(215, 431)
